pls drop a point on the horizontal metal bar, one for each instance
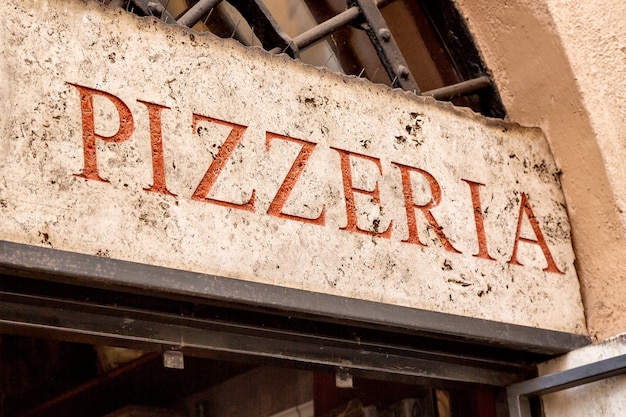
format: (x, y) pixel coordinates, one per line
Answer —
(154, 331)
(382, 3)
(329, 26)
(99, 272)
(518, 393)
(460, 89)
(326, 28)
(195, 13)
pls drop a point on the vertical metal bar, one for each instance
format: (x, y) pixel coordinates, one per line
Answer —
(386, 46)
(519, 406)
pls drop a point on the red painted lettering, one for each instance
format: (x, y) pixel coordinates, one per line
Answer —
(410, 206)
(156, 142)
(526, 209)
(125, 130)
(481, 236)
(211, 175)
(276, 207)
(349, 189)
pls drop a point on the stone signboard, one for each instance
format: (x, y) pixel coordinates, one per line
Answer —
(127, 138)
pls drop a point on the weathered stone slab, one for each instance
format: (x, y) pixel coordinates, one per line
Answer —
(127, 138)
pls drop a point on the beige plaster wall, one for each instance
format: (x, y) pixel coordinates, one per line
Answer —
(557, 64)
(594, 39)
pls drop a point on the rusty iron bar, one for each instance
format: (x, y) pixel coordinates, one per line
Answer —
(326, 28)
(386, 47)
(459, 89)
(382, 3)
(193, 15)
(329, 26)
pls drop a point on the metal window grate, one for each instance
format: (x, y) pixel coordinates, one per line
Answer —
(361, 14)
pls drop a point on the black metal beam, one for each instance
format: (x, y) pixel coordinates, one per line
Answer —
(202, 337)
(99, 272)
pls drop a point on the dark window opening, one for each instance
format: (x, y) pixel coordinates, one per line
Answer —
(238, 361)
(417, 45)
(69, 379)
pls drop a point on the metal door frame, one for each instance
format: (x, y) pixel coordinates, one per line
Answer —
(518, 394)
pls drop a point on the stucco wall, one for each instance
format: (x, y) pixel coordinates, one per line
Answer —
(559, 65)
(594, 39)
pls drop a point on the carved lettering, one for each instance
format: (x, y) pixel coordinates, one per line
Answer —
(124, 132)
(156, 143)
(349, 189)
(276, 207)
(481, 236)
(527, 209)
(410, 206)
(211, 175)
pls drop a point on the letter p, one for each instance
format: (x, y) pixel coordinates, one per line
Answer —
(125, 130)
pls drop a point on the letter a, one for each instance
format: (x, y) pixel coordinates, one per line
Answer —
(126, 127)
(525, 208)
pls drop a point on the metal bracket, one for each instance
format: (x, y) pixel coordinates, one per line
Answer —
(154, 8)
(386, 47)
(343, 379)
(266, 28)
(519, 393)
(258, 16)
(173, 359)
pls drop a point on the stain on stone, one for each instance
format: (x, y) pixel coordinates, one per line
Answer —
(103, 253)
(487, 291)
(416, 123)
(459, 282)
(542, 171)
(45, 238)
(447, 265)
